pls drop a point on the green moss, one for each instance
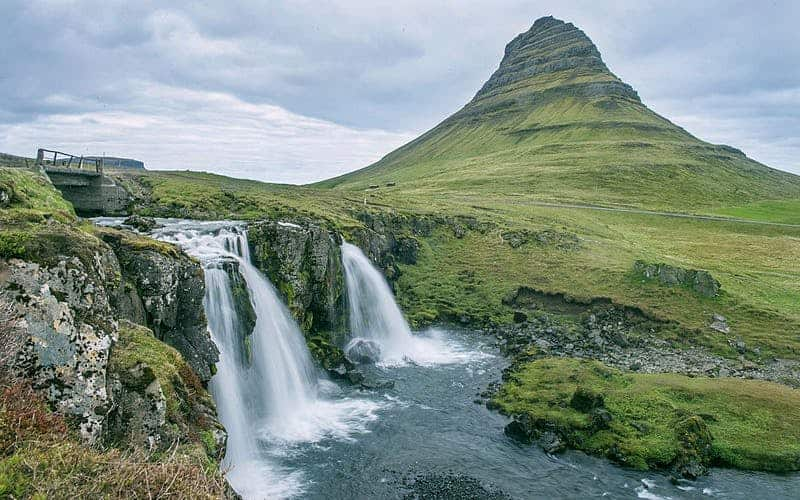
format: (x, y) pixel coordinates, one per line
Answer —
(12, 244)
(135, 242)
(659, 420)
(210, 443)
(181, 387)
(32, 191)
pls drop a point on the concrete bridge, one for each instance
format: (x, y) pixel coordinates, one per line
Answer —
(81, 181)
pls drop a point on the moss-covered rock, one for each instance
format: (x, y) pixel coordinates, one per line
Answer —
(60, 297)
(242, 303)
(303, 261)
(654, 421)
(158, 399)
(700, 281)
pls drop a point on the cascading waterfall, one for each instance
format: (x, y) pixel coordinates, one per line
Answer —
(375, 316)
(274, 398)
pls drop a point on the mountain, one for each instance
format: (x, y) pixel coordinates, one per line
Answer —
(114, 162)
(554, 123)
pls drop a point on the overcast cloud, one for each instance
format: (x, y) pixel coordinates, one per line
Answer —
(296, 91)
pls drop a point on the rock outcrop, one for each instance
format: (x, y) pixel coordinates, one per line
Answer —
(69, 327)
(698, 280)
(163, 289)
(158, 398)
(119, 385)
(390, 238)
(303, 261)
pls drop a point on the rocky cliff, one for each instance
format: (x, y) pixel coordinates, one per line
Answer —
(71, 295)
(163, 288)
(303, 261)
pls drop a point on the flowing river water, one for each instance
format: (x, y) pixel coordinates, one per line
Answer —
(294, 433)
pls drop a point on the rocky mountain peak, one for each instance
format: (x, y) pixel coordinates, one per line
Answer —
(551, 53)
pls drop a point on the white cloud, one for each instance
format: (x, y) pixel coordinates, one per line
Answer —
(175, 129)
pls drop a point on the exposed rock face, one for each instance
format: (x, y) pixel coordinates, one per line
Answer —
(303, 261)
(549, 48)
(163, 290)
(158, 398)
(389, 239)
(700, 281)
(245, 313)
(547, 237)
(69, 329)
(304, 264)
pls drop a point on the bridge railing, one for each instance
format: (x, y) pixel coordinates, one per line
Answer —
(52, 158)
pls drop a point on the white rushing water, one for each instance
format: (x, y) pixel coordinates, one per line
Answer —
(276, 399)
(375, 316)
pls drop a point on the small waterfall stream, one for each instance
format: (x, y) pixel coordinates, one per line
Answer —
(376, 317)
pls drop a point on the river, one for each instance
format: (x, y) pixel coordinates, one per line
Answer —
(295, 433)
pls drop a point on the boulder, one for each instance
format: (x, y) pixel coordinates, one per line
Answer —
(720, 324)
(551, 443)
(700, 281)
(141, 224)
(600, 419)
(363, 351)
(695, 447)
(6, 194)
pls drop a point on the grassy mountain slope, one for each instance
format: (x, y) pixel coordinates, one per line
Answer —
(553, 123)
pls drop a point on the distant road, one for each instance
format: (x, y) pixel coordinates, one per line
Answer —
(640, 211)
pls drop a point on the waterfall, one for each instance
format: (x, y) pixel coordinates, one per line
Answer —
(376, 317)
(277, 398)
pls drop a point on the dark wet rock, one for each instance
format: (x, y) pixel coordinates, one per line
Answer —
(169, 288)
(519, 430)
(141, 224)
(377, 383)
(303, 261)
(698, 280)
(600, 419)
(551, 443)
(363, 351)
(450, 486)
(520, 317)
(340, 370)
(243, 305)
(585, 400)
(355, 377)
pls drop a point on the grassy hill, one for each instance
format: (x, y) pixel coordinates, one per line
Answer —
(553, 123)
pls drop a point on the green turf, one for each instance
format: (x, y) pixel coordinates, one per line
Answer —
(753, 424)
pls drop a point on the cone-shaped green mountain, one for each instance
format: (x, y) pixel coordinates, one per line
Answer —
(553, 123)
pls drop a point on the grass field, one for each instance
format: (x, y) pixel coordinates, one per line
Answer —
(752, 424)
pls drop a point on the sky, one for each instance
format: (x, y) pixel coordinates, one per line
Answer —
(298, 91)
